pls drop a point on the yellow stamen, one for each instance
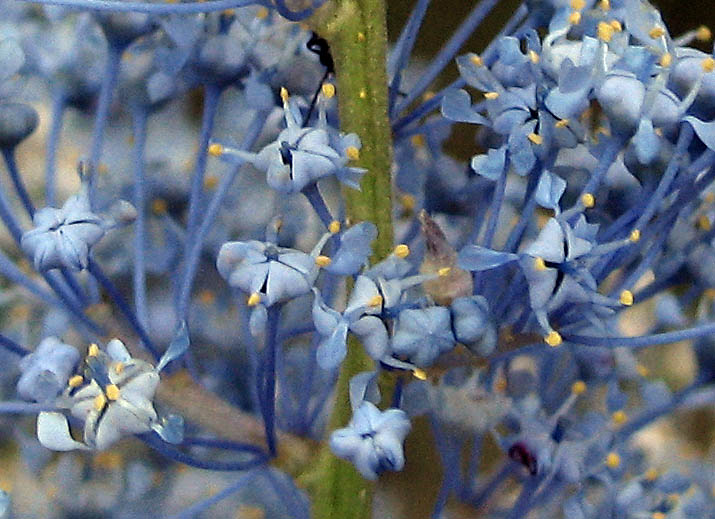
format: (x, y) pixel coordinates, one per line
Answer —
(215, 149)
(334, 227)
(284, 94)
(710, 198)
(604, 5)
(418, 140)
(539, 264)
(491, 95)
(93, 350)
(207, 297)
(613, 460)
(578, 5)
(375, 301)
(703, 33)
(112, 392)
(704, 223)
(535, 138)
(262, 13)
(428, 95)
(362, 94)
(626, 298)
(352, 153)
(476, 60)
(658, 515)
(656, 32)
(210, 182)
(578, 387)
(99, 402)
(361, 36)
(651, 474)
(562, 123)
(553, 339)
(402, 251)
(619, 417)
(444, 271)
(408, 202)
(616, 25)
(159, 206)
(119, 368)
(575, 18)
(666, 59)
(76, 381)
(323, 261)
(254, 299)
(605, 31)
(328, 90)
(588, 200)
(708, 64)
(419, 374)
(635, 236)
(642, 370)
(534, 57)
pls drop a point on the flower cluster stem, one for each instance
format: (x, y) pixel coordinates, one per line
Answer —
(357, 35)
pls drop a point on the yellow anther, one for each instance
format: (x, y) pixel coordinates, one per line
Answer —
(673, 498)
(651, 474)
(362, 94)
(444, 271)
(708, 64)
(428, 95)
(93, 350)
(657, 515)
(635, 236)
(656, 32)
(228, 12)
(613, 460)
(375, 301)
(603, 131)
(402, 251)
(119, 368)
(476, 60)
(215, 149)
(76, 381)
(491, 95)
(703, 33)
(666, 59)
(642, 370)
(334, 227)
(619, 417)
(100, 401)
(352, 153)
(709, 197)
(535, 138)
(262, 13)
(616, 25)
(328, 90)
(254, 299)
(604, 31)
(658, 131)
(210, 182)
(418, 140)
(562, 123)
(159, 206)
(112, 392)
(604, 5)
(588, 200)
(704, 223)
(103, 169)
(626, 298)
(575, 18)
(207, 297)
(419, 374)
(323, 261)
(284, 94)
(578, 5)
(108, 460)
(553, 339)
(534, 57)
(578, 387)
(408, 202)
(361, 36)
(539, 263)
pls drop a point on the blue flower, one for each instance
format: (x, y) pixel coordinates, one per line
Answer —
(62, 238)
(423, 334)
(373, 439)
(46, 370)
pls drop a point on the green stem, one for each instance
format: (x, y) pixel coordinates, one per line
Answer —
(357, 34)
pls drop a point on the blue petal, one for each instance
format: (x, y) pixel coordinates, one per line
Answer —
(549, 190)
(705, 131)
(457, 106)
(332, 350)
(491, 165)
(477, 258)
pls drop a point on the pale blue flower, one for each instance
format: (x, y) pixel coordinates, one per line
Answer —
(46, 370)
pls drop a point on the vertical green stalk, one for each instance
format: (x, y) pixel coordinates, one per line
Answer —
(357, 34)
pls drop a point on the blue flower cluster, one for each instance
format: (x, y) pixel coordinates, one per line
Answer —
(508, 314)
